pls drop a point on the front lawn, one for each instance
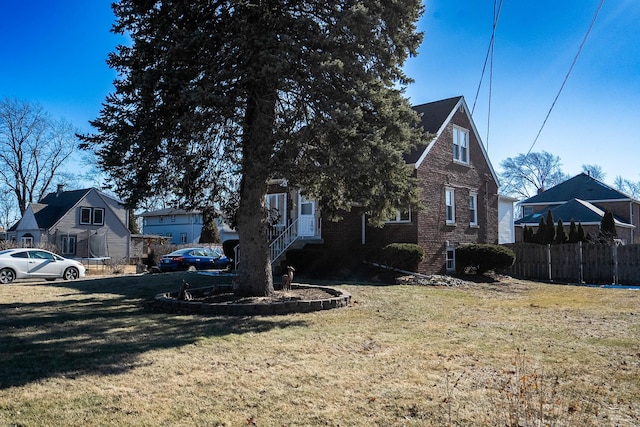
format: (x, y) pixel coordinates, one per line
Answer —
(92, 353)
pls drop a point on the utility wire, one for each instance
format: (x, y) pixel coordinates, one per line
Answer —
(496, 15)
(575, 59)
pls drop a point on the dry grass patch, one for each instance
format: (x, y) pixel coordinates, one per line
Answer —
(518, 353)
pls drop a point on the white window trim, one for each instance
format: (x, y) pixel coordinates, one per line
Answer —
(92, 216)
(82, 210)
(69, 245)
(281, 210)
(473, 220)
(450, 191)
(457, 154)
(398, 217)
(450, 263)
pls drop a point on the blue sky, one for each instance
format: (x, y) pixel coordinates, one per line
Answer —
(54, 53)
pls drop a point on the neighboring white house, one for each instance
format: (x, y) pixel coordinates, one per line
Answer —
(181, 226)
(506, 232)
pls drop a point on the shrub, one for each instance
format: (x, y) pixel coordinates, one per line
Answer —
(483, 257)
(403, 256)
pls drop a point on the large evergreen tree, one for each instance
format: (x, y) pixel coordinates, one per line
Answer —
(215, 98)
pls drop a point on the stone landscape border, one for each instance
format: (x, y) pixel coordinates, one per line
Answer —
(169, 302)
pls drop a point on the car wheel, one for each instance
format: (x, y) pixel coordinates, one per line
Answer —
(7, 275)
(70, 274)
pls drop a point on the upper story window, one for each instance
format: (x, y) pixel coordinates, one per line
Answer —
(450, 204)
(460, 145)
(527, 210)
(173, 218)
(473, 209)
(93, 216)
(402, 215)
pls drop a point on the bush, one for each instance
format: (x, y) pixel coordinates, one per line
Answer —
(483, 257)
(403, 256)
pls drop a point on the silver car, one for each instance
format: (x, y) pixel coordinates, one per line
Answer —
(26, 263)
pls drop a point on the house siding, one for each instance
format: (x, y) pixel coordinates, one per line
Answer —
(117, 234)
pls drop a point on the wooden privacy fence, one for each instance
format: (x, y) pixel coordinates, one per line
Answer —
(577, 263)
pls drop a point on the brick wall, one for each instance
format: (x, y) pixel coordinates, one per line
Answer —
(438, 172)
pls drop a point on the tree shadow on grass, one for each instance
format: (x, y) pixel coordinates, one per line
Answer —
(101, 331)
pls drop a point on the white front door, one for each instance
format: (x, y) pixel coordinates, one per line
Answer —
(306, 217)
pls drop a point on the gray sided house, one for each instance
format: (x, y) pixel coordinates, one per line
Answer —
(459, 191)
(584, 200)
(80, 223)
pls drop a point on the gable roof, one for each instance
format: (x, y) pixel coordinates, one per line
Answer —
(169, 211)
(435, 116)
(578, 210)
(582, 186)
(52, 207)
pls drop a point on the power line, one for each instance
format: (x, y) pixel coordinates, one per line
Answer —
(496, 15)
(575, 59)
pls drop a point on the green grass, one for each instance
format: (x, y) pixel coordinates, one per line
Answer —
(92, 353)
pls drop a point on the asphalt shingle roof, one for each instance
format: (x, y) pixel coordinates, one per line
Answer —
(433, 116)
(578, 210)
(54, 205)
(582, 187)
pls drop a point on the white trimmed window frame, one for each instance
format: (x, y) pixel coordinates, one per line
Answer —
(450, 253)
(402, 216)
(460, 145)
(450, 205)
(473, 209)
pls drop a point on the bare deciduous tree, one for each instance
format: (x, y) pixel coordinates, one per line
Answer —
(33, 148)
(527, 174)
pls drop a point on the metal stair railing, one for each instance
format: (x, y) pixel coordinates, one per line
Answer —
(281, 243)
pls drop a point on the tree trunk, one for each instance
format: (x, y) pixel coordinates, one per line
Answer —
(254, 276)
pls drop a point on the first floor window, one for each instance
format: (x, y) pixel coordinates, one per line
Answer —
(401, 215)
(68, 245)
(26, 242)
(451, 259)
(277, 209)
(183, 237)
(473, 209)
(450, 205)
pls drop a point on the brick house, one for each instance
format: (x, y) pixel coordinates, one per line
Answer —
(583, 199)
(459, 190)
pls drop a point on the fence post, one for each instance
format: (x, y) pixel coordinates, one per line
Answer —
(549, 261)
(615, 263)
(581, 263)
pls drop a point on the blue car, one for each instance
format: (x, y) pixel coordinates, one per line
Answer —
(194, 259)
